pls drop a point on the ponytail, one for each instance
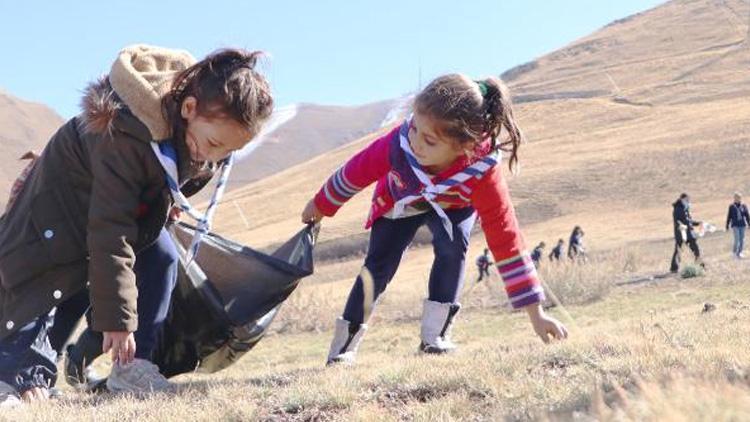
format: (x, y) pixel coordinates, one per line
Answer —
(498, 116)
(472, 111)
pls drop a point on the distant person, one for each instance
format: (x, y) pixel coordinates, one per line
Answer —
(423, 169)
(575, 244)
(537, 253)
(738, 219)
(483, 265)
(557, 251)
(684, 232)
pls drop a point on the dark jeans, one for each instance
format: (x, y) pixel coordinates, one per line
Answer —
(388, 241)
(27, 358)
(484, 271)
(692, 243)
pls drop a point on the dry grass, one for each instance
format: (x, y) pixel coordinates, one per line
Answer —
(320, 298)
(640, 351)
(679, 398)
(642, 347)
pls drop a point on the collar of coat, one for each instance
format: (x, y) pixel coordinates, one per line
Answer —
(140, 77)
(129, 100)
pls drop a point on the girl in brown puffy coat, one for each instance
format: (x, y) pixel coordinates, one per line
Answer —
(99, 196)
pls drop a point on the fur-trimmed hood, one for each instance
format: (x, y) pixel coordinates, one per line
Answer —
(140, 77)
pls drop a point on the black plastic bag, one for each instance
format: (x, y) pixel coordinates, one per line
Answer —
(226, 299)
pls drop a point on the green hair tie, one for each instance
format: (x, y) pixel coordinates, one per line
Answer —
(482, 87)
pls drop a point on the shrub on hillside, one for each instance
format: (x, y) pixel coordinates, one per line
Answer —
(690, 271)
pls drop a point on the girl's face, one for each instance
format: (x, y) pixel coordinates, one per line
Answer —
(432, 151)
(211, 139)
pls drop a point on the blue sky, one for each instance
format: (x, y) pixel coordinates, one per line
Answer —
(326, 52)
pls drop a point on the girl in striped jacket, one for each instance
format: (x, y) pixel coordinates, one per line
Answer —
(438, 168)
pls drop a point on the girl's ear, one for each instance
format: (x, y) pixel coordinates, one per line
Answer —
(189, 108)
(466, 149)
(458, 147)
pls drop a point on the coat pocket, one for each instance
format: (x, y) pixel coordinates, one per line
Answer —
(45, 238)
(23, 263)
(55, 224)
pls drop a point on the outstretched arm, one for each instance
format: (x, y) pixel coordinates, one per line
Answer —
(360, 171)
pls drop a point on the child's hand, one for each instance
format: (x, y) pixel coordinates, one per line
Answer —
(545, 325)
(122, 344)
(35, 394)
(311, 213)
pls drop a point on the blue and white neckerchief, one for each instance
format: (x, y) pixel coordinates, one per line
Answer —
(167, 156)
(431, 190)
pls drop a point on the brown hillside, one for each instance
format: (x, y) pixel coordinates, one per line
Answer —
(23, 126)
(619, 122)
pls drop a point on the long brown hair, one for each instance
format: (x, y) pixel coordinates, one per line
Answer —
(471, 111)
(225, 84)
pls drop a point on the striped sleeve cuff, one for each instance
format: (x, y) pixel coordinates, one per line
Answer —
(335, 192)
(521, 280)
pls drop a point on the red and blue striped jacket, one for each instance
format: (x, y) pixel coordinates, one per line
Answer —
(385, 162)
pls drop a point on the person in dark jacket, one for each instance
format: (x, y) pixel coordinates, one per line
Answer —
(483, 265)
(557, 251)
(684, 231)
(738, 219)
(575, 244)
(537, 253)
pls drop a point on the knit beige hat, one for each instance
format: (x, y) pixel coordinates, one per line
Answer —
(141, 76)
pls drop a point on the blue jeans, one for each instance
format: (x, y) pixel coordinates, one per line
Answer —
(28, 357)
(739, 240)
(388, 241)
(484, 272)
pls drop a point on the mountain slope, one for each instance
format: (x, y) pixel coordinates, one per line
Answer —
(24, 126)
(619, 123)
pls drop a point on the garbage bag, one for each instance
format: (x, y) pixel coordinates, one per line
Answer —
(226, 298)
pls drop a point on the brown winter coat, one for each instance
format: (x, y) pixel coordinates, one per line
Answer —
(94, 199)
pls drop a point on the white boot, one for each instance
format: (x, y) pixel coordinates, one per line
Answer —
(437, 321)
(346, 339)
